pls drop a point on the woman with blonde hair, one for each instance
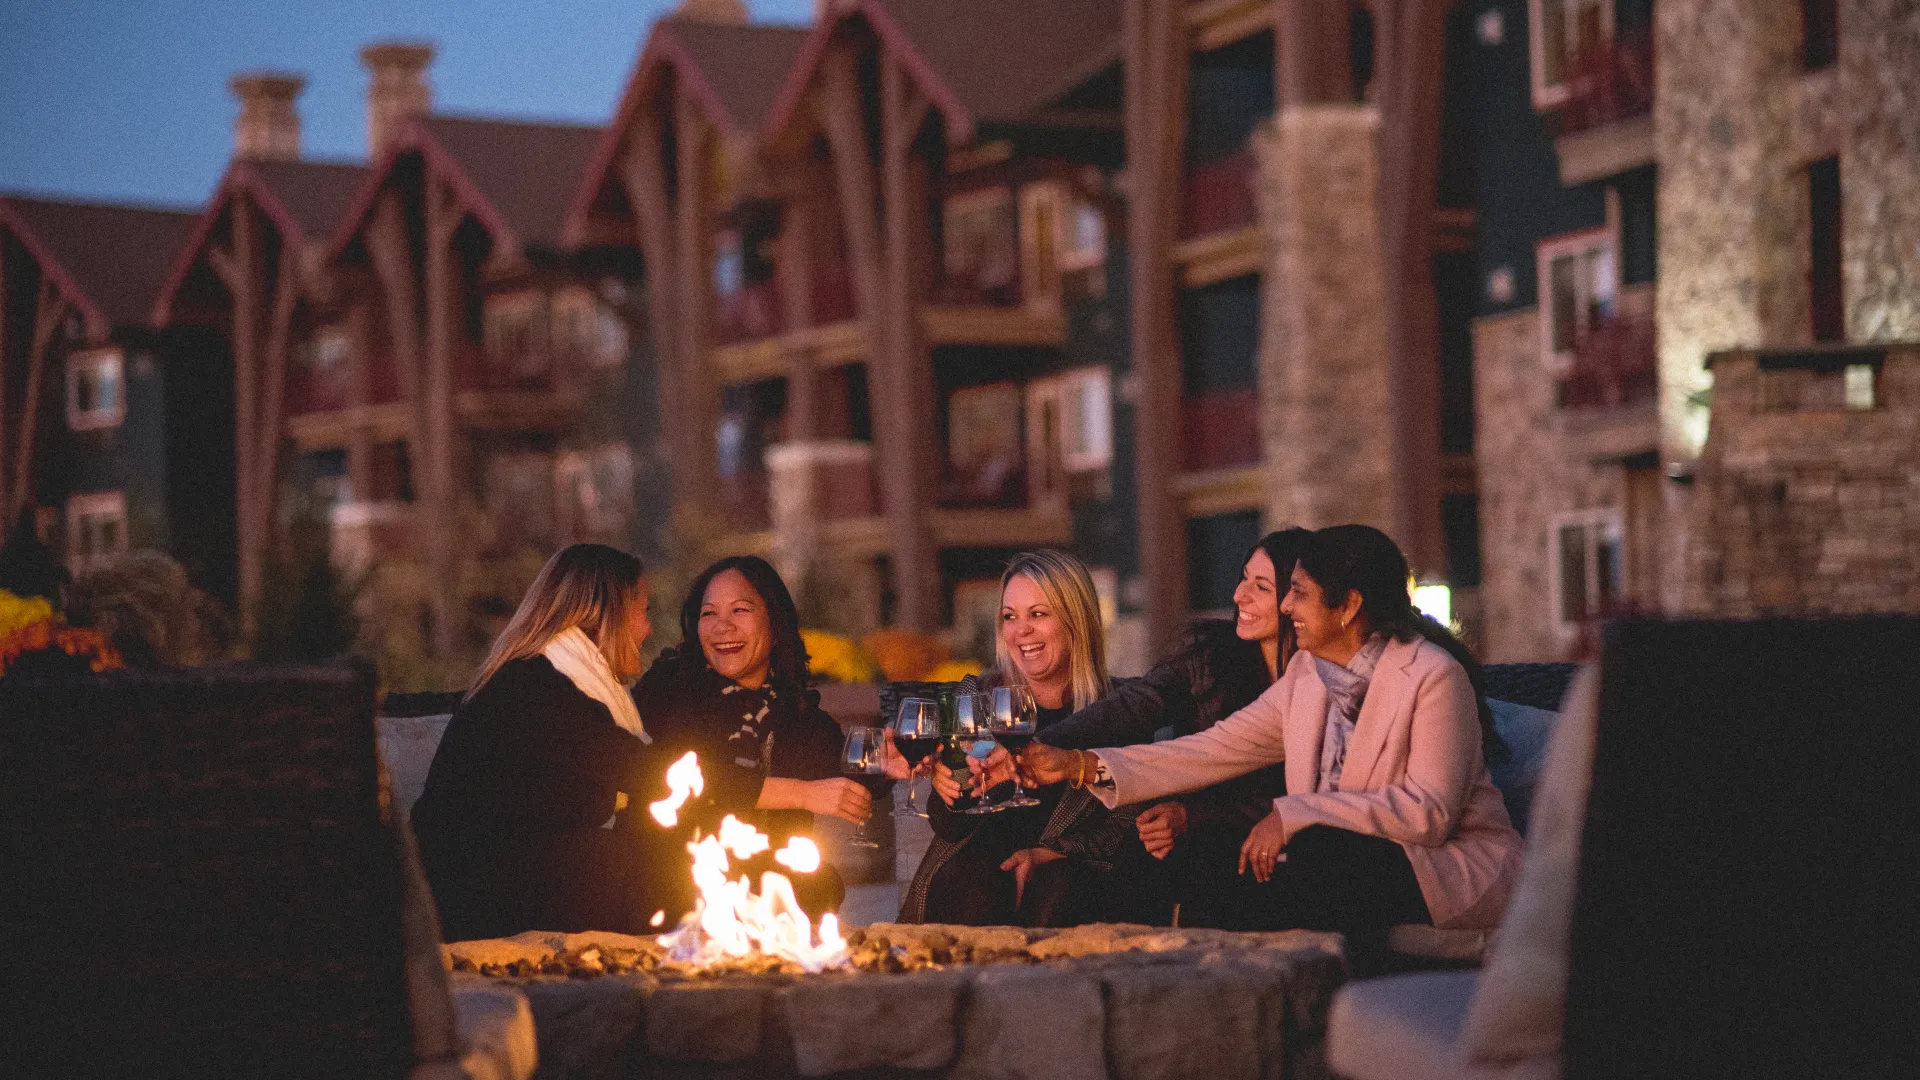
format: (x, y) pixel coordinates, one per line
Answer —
(1048, 865)
(515, 823)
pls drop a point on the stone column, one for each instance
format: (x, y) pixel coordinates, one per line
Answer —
(1880, 169)
(1325, 382)
(1732, 200)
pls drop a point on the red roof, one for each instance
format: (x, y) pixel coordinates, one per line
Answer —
(981, 62)
(525, 174)
(109, 260)
(305, 199)
(516, 177)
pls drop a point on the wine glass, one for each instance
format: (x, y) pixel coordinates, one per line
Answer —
(916, 732)
(1011, 714)
(864, 758)
(971, 731)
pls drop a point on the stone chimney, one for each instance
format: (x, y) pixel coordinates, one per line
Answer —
(725, 12)
(268, 127)
(398, 91)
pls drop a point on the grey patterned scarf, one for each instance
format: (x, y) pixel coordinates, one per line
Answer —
(1346, 692)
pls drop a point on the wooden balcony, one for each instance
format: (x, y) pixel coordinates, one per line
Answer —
(1218, 195)
(1614, 365)
(1608, 83)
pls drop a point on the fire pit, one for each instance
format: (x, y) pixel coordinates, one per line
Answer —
(962, 1002)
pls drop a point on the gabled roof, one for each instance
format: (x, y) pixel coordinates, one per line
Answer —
(109, 260)
(735, 73)
(305, 200)
(516, 177)
(982, 62)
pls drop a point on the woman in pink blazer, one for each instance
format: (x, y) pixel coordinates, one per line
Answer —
(1391, 816)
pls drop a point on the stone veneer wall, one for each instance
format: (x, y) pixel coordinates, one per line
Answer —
(1732, 199)
(1323, 347)
(1537, 460)
(1879, 83)
(1809, 511)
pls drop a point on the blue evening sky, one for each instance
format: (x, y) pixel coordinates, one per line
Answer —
(128, 99)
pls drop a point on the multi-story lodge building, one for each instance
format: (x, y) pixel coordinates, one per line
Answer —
(111, 432)
(893, 295)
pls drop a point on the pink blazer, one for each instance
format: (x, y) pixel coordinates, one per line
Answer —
(1413, 774)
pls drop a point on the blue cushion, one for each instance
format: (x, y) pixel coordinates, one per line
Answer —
(1525, 730)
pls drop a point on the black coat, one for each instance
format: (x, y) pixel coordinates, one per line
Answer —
(510, 822)
(1213, 675)
(686, 705)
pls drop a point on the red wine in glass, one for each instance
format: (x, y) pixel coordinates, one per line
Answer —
(916, 750)
(1011, 716)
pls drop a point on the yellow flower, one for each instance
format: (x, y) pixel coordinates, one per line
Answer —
(18, 612)
(831, 656)
(953, 670)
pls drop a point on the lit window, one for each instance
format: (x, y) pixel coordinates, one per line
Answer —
(587, 329)
(1562, 31)
(1587, 556)
(981, 252)
(516, 333)
(96, 390)
(1858, 392)
(1578, 278)
(96, 528)
(729, 264)
(326, 353)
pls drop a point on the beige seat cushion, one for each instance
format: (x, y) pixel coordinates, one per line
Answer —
(1517, 1014)
(1432, 943)
(1408, 1027)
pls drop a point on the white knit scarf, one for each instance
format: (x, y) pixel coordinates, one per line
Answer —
(574, 655)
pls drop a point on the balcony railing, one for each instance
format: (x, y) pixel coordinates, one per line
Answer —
(754, 312)
(998, 483)
(1613, 365)
(1609, 82)
(1218, 195)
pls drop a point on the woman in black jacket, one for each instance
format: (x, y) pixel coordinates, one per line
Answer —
(1219, 668)
(735, 691)
(515, 823)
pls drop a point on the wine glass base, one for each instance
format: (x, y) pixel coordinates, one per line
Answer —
(994, 808)
(858, 842)
(1021, 800)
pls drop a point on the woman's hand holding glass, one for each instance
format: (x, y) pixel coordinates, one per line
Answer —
(1041, 764)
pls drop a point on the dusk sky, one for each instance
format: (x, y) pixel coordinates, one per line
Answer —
(128, 99)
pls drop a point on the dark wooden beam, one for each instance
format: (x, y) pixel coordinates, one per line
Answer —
(908, 470)
(1412, 38)
(439, 511)
(50, 309)
(699, 398)
(643, 175)
(1155, 50)
(1315, 61)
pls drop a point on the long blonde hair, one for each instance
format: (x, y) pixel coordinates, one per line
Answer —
(1069, 590)
(591, 586)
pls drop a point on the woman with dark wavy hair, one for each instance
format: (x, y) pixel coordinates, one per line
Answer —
(736, 692)
(1390, 815)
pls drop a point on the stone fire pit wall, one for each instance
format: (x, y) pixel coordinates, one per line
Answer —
(970, 1003)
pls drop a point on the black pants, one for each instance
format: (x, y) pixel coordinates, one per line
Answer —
(1331, 879)
(972, 890)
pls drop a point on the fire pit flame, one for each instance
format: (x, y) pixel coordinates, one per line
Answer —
(729, 920)
(684, 781)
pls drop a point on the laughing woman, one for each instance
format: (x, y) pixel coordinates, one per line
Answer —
(1390, 815)
(515, 821)
(1049, 865)
(735, 691)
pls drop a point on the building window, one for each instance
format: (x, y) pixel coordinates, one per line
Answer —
(587, 329)
(1823, 250)
(1563, 31)
(1219, 368)
(516, 333)
(1819, 33)
(96, 390)
(326, 352)
(96, 528)
(1588, 572)
(1578, 278)
(985, 463)
(980, 249)
(1217, 547)
(1069, 427)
